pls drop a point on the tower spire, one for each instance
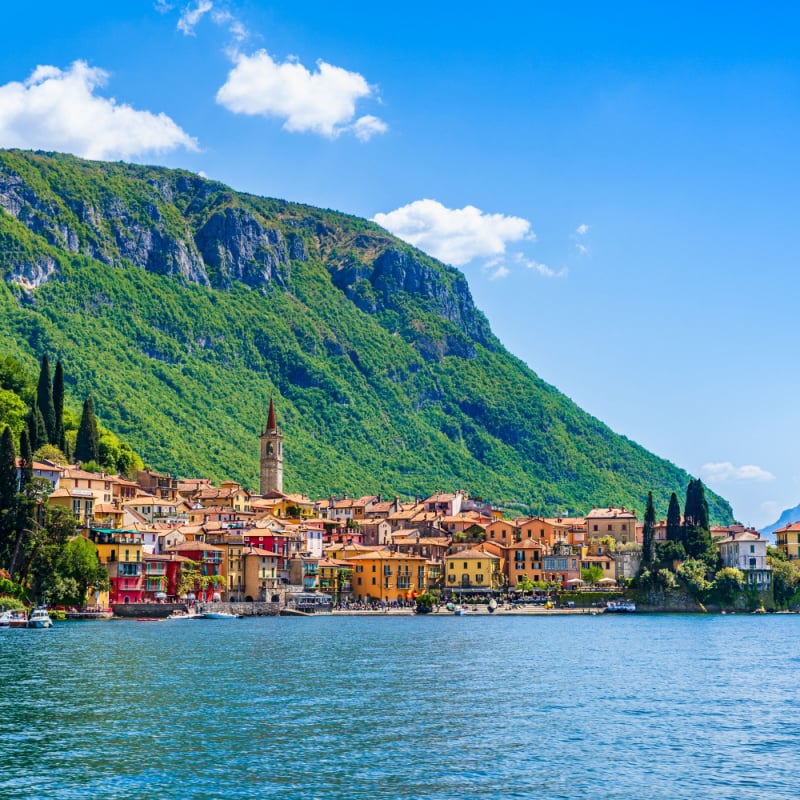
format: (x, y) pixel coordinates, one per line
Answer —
(271, 454)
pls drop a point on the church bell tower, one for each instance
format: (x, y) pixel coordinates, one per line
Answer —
(271, 455)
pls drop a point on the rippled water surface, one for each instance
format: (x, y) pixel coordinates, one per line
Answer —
(403, 707)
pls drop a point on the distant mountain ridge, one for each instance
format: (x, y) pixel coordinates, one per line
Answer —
(789, 516)
(182, 306)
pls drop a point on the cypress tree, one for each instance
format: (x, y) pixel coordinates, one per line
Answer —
(26, 459)
(58, 406)
(8, 496)
(44, 399)
(87, 446)
(696, 528)
(36, 428)
(674, 520)
(649, 533)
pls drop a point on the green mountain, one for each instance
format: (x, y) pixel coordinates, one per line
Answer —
(182, 306)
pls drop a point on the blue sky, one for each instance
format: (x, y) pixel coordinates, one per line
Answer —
(619, 181)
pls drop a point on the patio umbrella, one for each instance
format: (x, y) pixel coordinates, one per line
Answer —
(606, 581)
(574, 582)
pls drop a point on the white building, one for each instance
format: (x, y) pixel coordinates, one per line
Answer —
(747, 552)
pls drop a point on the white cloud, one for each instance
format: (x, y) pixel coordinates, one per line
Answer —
(58, 109)
(725, 471)
(191, 16)
(163, 6)
(582, 230)
(235, 26)
(454, 235)
(501, 271)
(323, 101)
(367, 126)
(542, 269)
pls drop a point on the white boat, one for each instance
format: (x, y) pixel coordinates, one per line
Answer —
(621, 606)
(492, 606)
(5, 619)
(179, 614)
(40, 619)
(219, 615)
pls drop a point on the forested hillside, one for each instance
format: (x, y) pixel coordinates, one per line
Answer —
(181, 306)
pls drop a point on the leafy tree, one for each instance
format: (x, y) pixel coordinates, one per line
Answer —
(43, 550)
(524, 584)
(14, 378)
(692, 574)
(44, 400)
(188, 578)
(87, 444)
(649, 533)
(728, 583)
(785, 578)
(592, 574)
(80, 571)
(49, 452)
(58, 406)
(668, 553)
(12, 411)
(674, 527)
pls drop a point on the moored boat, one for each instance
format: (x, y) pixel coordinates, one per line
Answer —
(219, 615)
(17, 618)
(39, 618)
(621, 606)
(181, 614)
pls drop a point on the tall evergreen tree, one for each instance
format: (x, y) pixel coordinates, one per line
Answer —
(37, 430)
(8, 496)
(58, 406)
(674, 530)
(44, 399)
(649, 533)
(697, 533)
(26, 460)
(87, 447)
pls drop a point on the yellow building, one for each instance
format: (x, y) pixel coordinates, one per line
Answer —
(335, 578)
(387, 577)
(787, 540)
(472, 571)
(260, 574)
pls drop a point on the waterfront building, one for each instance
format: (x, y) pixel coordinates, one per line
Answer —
(386, 576)
(335, 579)
(260, 574)
(473, 571)
(211, 582)
(787, 539)
(747, 552)
(562, 565)
(120, 551)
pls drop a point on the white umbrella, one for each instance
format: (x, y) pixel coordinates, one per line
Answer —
(606, 580)
(574, 582)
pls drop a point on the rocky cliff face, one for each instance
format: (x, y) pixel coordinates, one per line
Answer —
(198, 231)
(149, 230)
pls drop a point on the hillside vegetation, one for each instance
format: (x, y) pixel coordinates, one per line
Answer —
(181, 306)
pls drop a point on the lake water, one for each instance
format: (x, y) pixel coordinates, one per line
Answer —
(403, 707)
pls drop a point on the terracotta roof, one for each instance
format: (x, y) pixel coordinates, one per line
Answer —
(611, 513)
(187, 546)
(472, 554)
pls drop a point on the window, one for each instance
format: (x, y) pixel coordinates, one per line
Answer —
(479, 578)
(373, 581)
(752, 548)
(609, 526)
(594, 527)
(624, 526)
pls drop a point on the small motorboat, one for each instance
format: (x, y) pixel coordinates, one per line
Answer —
(180, 613)
(219, 615)
(40, 619)
(17, 618)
